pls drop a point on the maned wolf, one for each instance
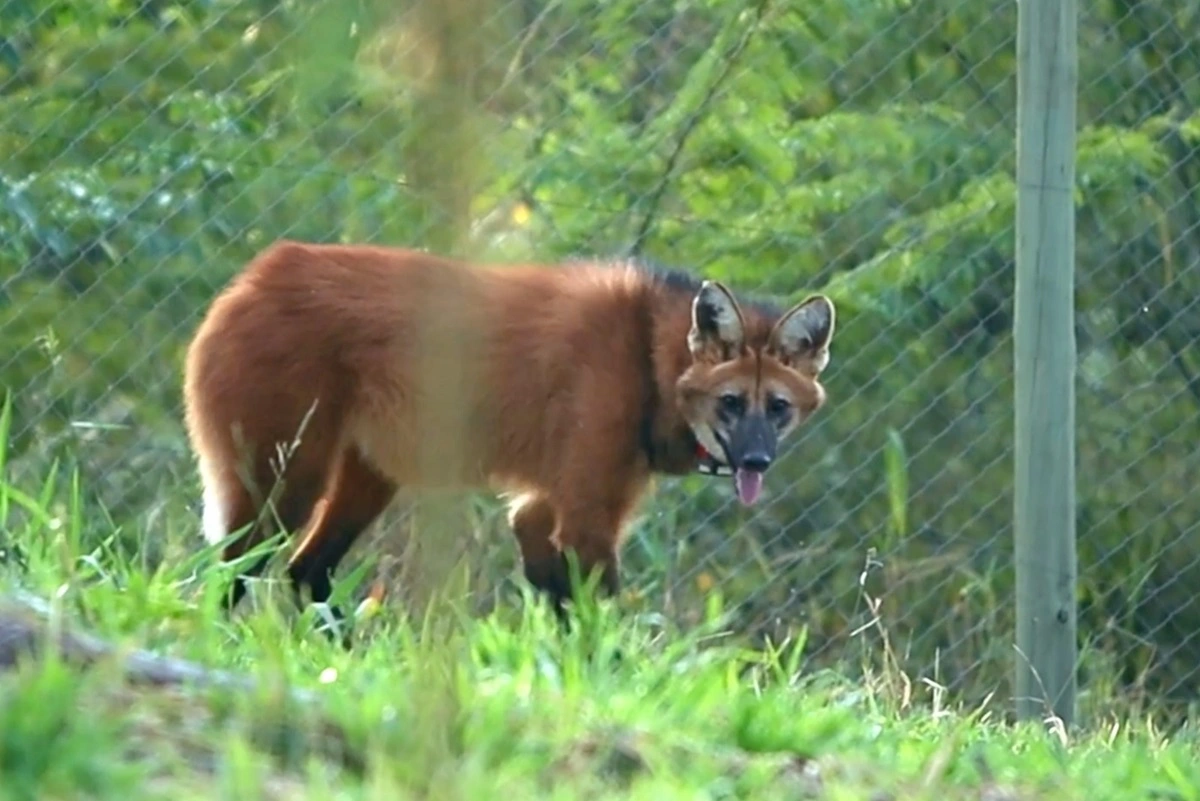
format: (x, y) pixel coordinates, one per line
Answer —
(584, 382)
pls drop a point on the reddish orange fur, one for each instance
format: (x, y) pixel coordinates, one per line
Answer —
(574, 402)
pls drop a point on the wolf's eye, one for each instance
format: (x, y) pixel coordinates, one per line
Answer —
(732, 403)
(777, 406)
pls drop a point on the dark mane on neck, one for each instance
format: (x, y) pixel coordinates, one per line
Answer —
(677, 281)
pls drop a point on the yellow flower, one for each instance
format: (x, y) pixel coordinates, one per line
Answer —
(521, 214)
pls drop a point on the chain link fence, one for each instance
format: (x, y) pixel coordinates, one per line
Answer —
(864, 149)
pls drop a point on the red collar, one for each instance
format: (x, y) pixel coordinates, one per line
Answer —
(708, 464)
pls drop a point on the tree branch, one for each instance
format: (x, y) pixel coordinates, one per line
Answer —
(655, 200)
(28, 625)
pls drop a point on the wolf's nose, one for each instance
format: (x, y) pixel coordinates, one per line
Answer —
(756, 462)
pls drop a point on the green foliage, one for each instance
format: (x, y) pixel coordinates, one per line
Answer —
(148, 149)
(46, 748)
(459, 706)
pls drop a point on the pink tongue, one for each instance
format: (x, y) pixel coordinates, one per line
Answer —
(749, 485)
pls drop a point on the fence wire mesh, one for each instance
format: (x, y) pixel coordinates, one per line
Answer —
(148, 149)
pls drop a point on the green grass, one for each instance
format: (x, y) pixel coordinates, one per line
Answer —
(446, 705)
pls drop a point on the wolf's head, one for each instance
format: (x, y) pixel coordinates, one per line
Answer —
(741, 398)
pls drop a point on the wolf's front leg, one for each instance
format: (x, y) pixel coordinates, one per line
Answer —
(534, 522)
(592, 519)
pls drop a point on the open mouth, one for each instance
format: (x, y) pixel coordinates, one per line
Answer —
(747, 484)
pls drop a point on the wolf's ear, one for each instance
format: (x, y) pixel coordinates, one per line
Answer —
(718, 331)
(801, 337)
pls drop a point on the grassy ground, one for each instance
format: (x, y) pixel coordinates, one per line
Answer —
(447, 705)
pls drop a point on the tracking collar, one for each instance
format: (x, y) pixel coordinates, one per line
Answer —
(710, 465)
